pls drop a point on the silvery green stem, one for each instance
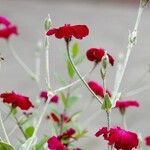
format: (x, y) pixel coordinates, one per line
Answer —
(124, 123)
(38, 63)
(73, 83)
(47, 62)
(131, 43)
(22, 64)
(79, 75)
(4, 130)
(137, 91)
(39, 122)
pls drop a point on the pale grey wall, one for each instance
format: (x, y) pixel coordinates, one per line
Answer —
(109, 24)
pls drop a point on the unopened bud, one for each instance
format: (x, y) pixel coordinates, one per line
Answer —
(47, 23)
(105, 61)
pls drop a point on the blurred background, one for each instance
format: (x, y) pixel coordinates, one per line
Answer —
(109, 22)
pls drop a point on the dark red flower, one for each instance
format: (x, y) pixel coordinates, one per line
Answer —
(68, 31)
(6, 28)
(54, 117)
(55, 144)
(147, 141)
(96, 55)
(98, 89)
(65, 118)
(126, 103)
(44, 96)
(16, 100)
(68, 134)
(54, 99)
(119, 138)
(123, 104)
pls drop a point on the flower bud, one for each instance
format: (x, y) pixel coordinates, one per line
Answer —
(143, 3)
(105, 61)
(47, 23)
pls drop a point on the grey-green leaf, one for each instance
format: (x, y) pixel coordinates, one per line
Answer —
(63, 98)
(71, 101)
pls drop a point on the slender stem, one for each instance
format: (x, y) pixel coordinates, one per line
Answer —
(39, 121)
(22, 64)
(4, 130)
(124, 123)
(65, 110)
(73, 83)
(108, 119)
(20, 127)
(79, 75)
(38, 63)
(137, 91)
(47, 62)
(131, 44)
(108, 125)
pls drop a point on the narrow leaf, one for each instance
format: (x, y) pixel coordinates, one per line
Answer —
(5, 146)
(71, 71)
(75, 50)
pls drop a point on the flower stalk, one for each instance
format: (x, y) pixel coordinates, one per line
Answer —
(4, 130)
(132, 40)
(78, 73)
(22, 64)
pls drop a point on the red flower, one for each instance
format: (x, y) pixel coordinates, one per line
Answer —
(68, 134)
(55, 144)
(126, 103)
(54, 99)
(54, 117)
(7, 29)
(68, 31)
(147, 141)
(16, 100)
(98, 89)
(95, 54)
(65, 118)
(119, 138)
(44, 95)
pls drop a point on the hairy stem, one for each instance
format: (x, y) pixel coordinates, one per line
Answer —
(20, 127)
(22, 64)
(131, 44)
(47, 63)
(39, 121)
(124, 123)
(79, 75)
(4, 130)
